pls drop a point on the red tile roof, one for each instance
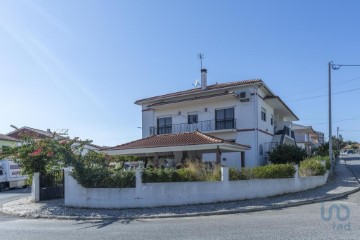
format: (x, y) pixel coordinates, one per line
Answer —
(198, 90)
(33, 132)
(170, 140)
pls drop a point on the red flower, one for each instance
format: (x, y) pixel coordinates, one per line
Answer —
(49, 154)
(36, 152)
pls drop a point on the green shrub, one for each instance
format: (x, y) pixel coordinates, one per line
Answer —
(180, 175)
(322, 158)
(287, 154)
(274, 171)
(311, 167)
(92, 171)
(263, 172)
(327, 163)
(243, 174)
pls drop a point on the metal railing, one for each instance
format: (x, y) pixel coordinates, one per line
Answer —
(270, 146)
(203, 126)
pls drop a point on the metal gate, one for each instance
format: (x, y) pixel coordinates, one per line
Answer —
(52, 185)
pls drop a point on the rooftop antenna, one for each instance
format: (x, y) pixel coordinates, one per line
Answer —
(201, 57)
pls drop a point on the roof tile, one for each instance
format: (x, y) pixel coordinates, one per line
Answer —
(196, 90)
(169, 140)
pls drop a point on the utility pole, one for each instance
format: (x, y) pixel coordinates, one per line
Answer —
(330, 123)
(333, 66)
(337, 138)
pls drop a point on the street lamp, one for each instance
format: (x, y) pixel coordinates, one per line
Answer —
(333, 66)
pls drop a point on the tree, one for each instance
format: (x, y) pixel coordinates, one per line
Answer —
(323, 150)
(43, 155)
(287, 154)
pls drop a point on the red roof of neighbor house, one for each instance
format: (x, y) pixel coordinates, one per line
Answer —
(7, 138)
(198, 90)
(33, 132)
(170, 140)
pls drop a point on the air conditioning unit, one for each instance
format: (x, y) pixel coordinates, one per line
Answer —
(244, 96)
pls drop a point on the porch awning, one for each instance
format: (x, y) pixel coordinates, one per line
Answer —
(194, 141)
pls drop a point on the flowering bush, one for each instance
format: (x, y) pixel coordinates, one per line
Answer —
(43, 155)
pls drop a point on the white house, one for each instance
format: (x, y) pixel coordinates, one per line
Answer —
(244, 112)
(306, 137)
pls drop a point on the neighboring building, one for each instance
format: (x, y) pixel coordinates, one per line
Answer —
(244, 112)
(6, 141)
(40, 134)
(33, 132)
(305, 137)
(320, 138)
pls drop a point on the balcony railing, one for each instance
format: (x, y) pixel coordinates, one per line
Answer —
(270, 146)
(203, 126)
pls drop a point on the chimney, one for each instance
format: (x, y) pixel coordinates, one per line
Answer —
(203, 78)
(48, 130)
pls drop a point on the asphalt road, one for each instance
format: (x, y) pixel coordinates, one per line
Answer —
(13, 194)
(303, 222)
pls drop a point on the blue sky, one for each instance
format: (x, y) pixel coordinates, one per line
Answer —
(81, 65)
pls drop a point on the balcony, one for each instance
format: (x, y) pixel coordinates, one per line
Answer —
(203, 126)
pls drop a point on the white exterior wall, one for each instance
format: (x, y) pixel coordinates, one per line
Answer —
(172, 194)
(147, 122)
(248, 122)
(266, 130)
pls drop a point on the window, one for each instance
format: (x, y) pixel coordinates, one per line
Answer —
(224, 119)
(261, 150)
(272, 120)
(164, 125)
(192, 118)
(1, 172)
(263, 114)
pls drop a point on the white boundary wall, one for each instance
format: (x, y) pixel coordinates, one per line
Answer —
(172, 194)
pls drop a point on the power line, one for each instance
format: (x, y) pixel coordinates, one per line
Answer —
(324, 95)
(341, 120)
(324, 86)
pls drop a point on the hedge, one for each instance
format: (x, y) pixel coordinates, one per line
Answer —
(178, 175)
(263, 172)
(312, 167)
(103, 178)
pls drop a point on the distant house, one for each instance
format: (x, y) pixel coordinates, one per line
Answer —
(246, 113)
(306, 137)
(33, 132)
(320, 138)
(6, 141)
(40, 134)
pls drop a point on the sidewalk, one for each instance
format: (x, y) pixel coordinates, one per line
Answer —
(342, 184)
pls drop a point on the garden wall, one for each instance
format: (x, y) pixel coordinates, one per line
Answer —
(181, 193)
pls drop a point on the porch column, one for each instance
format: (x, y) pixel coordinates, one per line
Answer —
(218, 155)
(242, 159)
(156, 160)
